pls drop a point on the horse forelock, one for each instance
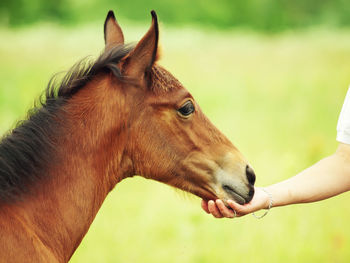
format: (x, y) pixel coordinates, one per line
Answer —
(163, 81)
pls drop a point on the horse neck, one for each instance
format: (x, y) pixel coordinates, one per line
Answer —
(91, 162)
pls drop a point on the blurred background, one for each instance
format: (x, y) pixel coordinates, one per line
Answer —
(271, 74)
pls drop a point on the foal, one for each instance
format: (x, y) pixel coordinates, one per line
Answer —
(120, 116)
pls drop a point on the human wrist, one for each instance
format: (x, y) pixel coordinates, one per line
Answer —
(268, 203)
(269, 200)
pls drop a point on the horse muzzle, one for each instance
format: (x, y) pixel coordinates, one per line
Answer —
(234, 179)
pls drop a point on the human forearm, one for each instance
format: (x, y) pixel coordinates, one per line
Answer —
(328, 177)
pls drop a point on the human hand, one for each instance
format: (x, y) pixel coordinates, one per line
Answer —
(218, 209)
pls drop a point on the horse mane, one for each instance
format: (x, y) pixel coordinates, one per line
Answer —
(27, 150)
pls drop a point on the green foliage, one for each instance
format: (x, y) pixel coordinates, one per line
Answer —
(276, 97)
(265, 15)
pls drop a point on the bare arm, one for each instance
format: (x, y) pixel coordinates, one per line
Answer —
(328, 177)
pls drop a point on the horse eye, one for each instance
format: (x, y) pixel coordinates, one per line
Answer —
(186, 109)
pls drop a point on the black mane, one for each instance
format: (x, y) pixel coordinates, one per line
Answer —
(27, 150)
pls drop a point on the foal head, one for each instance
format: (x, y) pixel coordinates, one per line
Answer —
(169, 138)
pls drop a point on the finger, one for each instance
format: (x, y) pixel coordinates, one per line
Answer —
(205, 206)
(241, 210)
(226, 212)
(213, 209)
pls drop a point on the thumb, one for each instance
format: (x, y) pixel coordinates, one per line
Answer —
(240, 209)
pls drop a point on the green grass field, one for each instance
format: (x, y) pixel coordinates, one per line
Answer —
(277, 97)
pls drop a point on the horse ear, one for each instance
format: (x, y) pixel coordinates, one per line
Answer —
(112, 31)
(143, 56)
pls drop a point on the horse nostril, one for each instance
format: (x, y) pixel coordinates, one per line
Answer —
(251, 192)
(250, 174)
